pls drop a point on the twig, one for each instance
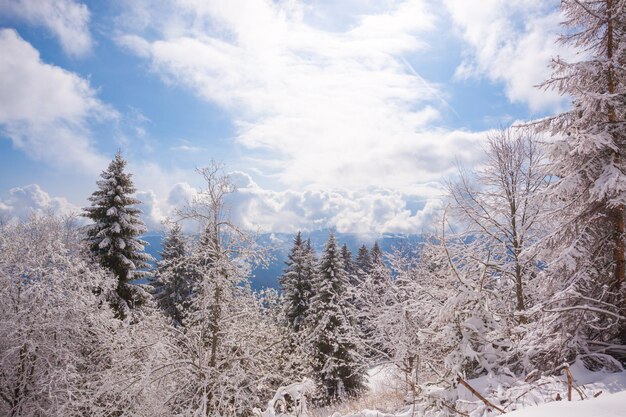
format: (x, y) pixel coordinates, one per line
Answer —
(454, 409)
(476, 393)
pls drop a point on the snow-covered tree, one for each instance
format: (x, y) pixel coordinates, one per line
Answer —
(295, 285)
(348, 264)
(173, 285)
(363, 263)
(585, 250)
(336, 364)
(500, 204)
(370, 295)
(53, 324)
(496, 212)
(222, 361)
(402, 325)
(114, 235)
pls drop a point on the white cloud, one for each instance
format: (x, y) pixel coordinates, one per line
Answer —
(67, 20)
(368, 212)
(512, 42)
(45, 109)
(21, 202)
(188, 148)
(151, 210)
(365, 212)
(329, 108)
(340, 118)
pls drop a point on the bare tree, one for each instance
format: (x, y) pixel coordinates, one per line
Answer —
(500, 203)
(223, 360)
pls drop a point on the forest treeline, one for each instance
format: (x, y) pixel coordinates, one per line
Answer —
(523, 273)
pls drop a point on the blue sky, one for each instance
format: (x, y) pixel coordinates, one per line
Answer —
(344, 114)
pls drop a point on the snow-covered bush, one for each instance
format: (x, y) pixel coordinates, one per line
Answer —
(54, 319)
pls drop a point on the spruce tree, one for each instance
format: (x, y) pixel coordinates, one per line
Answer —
(378, 276)
(363, 262)
(348, 264)
(336, 366)
(113, 238)
(310, 262)
(586, 251)
(296, 285)
(376, 255)
(172, 281)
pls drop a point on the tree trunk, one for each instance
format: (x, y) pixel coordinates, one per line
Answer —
(617, 213)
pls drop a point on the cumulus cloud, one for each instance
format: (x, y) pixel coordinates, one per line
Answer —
(67, 20)
(366, 212)
(45, 109)
(22, 202)
(511, 42)
(152, 214)
(327, 108)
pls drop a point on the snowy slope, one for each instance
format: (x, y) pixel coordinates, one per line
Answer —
(519, 399)
(609, 405)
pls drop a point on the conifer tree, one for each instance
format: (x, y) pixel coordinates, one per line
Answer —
(336, 367)
(363, 262)
(296, 285)
(376, 254)
(310, 261)
(586, 251)
(348, 265)
(379, 273)
(371, 296)
(114, 236)
(173, 286)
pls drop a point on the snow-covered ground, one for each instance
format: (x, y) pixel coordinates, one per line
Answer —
(609, 405)
(594, 394)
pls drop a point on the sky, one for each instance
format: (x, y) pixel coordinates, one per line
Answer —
(346, 115)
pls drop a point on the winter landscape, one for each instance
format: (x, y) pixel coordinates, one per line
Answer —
(265, 208)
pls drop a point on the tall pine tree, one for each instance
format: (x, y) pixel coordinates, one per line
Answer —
(586, 251)
(296, 285)
(173, 280)
(363, 263)
(114, 236)
(336, 365)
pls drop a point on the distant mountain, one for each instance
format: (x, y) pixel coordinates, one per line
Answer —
(280, 244)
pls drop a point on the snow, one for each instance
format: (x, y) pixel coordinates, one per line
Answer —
(382, 379)
(606, 405)
(518, 398)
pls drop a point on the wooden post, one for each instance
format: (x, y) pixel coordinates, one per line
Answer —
(569, 384)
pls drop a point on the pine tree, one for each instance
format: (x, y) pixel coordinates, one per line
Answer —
(586, 251)
(379, 273)
(348, 265)
(371, 295)
(376, 254)
(335, 364)
(113, 238)
(172, 281)
(310, 262)
(363, 262)
(296, 285)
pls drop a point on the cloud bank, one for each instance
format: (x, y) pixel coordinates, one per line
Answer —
(22, 202)
(326, 109)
